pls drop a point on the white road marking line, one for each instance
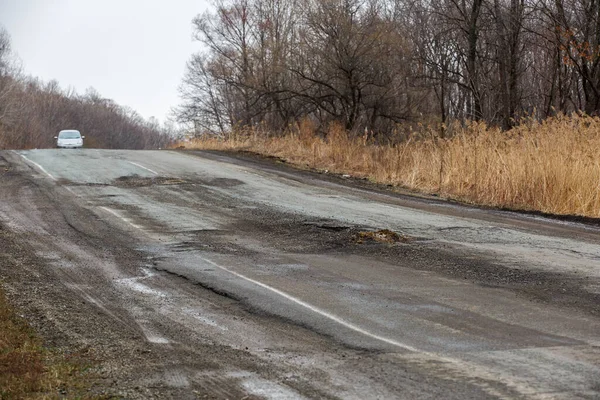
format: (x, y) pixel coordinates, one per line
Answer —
(39, 166)
(464, 366)
(127, 220)
(141, 166)
(46, 172)
(324, 313)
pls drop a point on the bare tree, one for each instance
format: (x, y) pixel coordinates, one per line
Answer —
(379, 64)
(9, 79)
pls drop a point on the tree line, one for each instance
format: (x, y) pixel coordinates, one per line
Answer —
(32, 112)
(378, 65)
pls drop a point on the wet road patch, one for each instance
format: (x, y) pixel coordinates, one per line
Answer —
(133, 181)
(223, 182)
(139, 181)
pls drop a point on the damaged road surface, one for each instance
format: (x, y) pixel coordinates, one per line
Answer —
(197, 275)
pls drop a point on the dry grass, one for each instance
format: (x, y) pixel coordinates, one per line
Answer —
(551, 166)
(27, 370)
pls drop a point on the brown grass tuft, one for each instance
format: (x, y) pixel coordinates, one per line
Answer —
(27, 370)
(551, 166)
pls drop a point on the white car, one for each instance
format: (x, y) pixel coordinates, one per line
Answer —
(69, 139)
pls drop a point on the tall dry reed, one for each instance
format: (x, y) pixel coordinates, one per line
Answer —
(551, 166)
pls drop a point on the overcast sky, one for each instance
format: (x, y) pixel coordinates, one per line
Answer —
(133, 51)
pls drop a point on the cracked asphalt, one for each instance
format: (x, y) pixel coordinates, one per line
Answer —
(205, 275)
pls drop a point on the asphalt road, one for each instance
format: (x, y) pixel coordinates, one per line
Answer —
(196, 274)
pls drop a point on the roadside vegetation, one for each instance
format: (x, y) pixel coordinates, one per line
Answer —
(28, 370)
(32, 112)
(552, 166)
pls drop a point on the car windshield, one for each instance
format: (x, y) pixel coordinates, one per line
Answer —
(69, 135)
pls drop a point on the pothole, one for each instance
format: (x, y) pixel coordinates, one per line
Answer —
(139, 181)
(382, 236)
